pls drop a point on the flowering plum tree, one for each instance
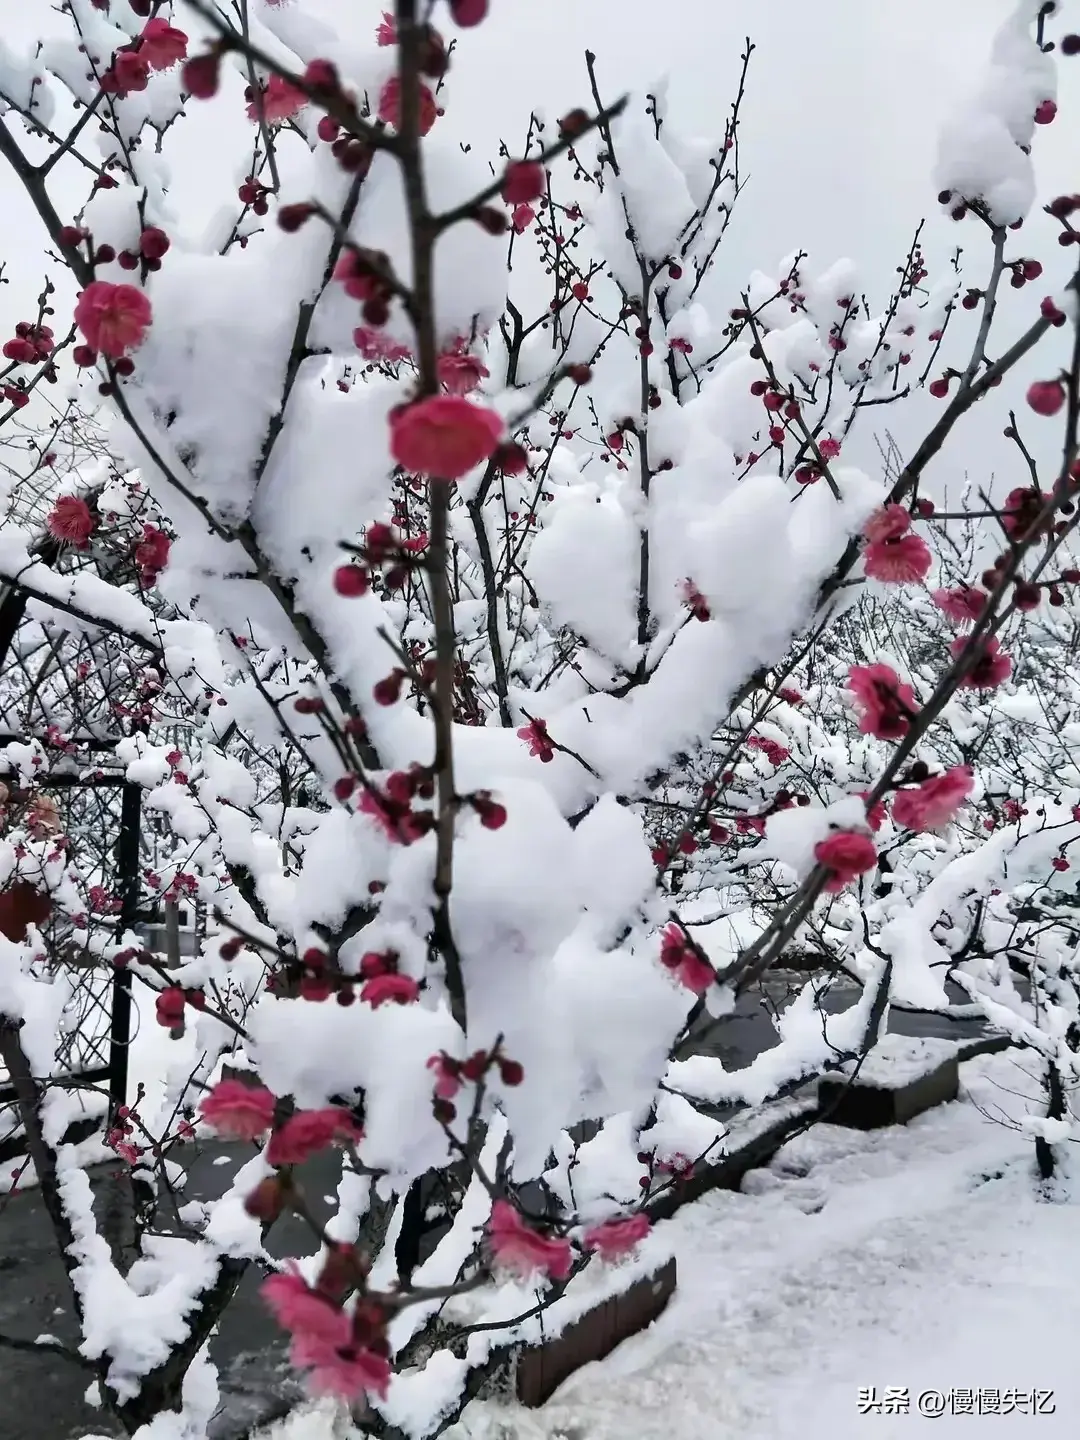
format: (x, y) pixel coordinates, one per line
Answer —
(517, 599)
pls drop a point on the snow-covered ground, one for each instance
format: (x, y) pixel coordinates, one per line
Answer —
(921, 1257)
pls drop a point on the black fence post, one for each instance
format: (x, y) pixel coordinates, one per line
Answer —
(127, 867)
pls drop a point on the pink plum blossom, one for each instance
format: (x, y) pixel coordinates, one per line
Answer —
(934, 803)
(522, 1250)
(885, 705)
(615, 1239)
(71, 520)
(113, 318)
(309, 1131)
(846, 855)
(238, 1111)
(443, 436)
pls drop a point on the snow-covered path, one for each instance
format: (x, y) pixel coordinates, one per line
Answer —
(917, 1257)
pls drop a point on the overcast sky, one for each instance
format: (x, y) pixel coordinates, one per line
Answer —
(844, 103)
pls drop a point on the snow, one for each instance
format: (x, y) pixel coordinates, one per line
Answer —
(809, 1039)
(651, 184)
(980, 153)
(136, 1319)
(584, 565)
(791, 835)
(897, 1060)
(918, 1256)
(315, 1052)
(353, 481)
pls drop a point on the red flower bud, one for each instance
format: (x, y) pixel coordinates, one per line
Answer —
(492, 220)
(351, 580)
(201, 75)
(153, 243)
(573, 124)
(291, 217)
(267, 1200)
(523, 181)
(468, 12)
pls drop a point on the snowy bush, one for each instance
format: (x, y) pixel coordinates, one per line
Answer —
(509, 605)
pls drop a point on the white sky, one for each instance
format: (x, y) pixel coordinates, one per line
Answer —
(844, 103)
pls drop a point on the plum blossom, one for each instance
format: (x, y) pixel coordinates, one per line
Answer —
(615, 1239)
(522, 218)
(934, 803)
(1050, 311)
(492, 814)
(1022, 510)
(394, 816)
(472, 12)
(113, 318)
(402, 989)
(127, 75)
(893, 554)
(443, 436)
(71, 520)
(991, 667)
(536, 736)
(20, 350)
(773, 751)
(898, 562)
(161, 45)
(267, 1200)
(238, 1111)
(356, 276)
(152, 553)
(885, 705)
(351, 580)
(124, 1148)
(309, 1131)
(374, 344)
(202, 75)
(1046, 397)
(345, 1358)
(169, 1007)
(520, 1249)
(460, 374)
(683, 960)
(887, 523)
(962, 605)
(523, 181)
(386, 30)
(31, 345)
(875, 815)
(279, 101)
(389, 109)
(846, 855)
(343, 1371)
(300, 1309)
(447, 1075)
(695, 601)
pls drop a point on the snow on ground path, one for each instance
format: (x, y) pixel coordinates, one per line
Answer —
(918, 1257)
